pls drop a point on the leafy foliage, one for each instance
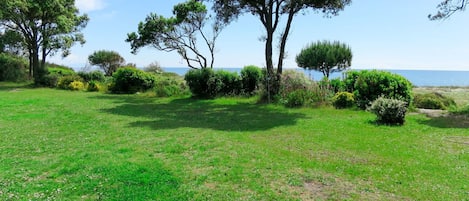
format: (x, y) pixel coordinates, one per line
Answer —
(370, 85)
(46, 26)
(65, 81)
(108, 61)
(168, 85)
(93, 86)
(12, 68)
(343, 100)
(433, 101)
(131, 80)
(325, 57)
(389, 111)
(154, 68)
(448, 8)
(179, 33)
(92, 76)
(76, 86)
(231, 82)
(251, 77)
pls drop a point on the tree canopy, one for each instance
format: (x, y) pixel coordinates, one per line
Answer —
(325, 57)
(448, 8)
(46, 26)
(179, 33)
(270, 13)
(108, 61)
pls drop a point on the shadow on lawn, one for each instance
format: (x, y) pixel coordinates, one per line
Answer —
(194, 113)
(447, 121)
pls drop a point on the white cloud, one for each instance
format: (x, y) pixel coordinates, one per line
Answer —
(89, 5)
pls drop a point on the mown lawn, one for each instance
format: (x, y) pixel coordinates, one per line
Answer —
(62, 145)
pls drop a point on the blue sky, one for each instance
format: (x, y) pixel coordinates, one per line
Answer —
(382, 34)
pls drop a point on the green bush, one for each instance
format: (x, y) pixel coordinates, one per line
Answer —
(54, 69)
(12, 68)
(231, 83)
(92, 76)
(343, 100)
(203, 83)
(251, 77)
(76, 86)
(131, 80)
(168, 85)
(93, 86)
(350, 79)
(337, 85)
(64, 82)
(433, 101)
(389, 111)
(297, 98)
(50, 80)
(370, 85)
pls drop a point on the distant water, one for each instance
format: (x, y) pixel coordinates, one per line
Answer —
(417, 77)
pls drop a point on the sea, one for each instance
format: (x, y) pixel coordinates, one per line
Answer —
(420, 78)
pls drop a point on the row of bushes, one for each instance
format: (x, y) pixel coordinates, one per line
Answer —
(207, 83)
(12, 68)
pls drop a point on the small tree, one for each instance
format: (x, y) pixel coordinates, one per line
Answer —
(179, 33)
(325, 57)
(108, 61)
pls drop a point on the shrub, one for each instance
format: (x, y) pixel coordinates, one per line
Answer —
(54, 69)
(76, 86)
(297, 98)
(64, 82)
(12, 68)
(131, 80)
(154, 68)
(389, 111)
(231, 82)
(203, 82)
(337, 85)
(433, 101)
(93, 86)
(251, 77)
(169, 85)
(50, 80)
(370, 85)
(92, 76)
(350, 79)
(343, 100)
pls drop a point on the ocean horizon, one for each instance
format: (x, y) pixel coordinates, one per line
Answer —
(420, 78)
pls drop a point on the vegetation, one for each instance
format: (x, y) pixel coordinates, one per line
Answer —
(369, 85)
(325, 57)
(433, 100)
(59, 145)
(251, 77)
(108, 61)
(45, 27)
(131, 80)
(179, 33)
(343, 100)
(389, 111)
(12, 68)
(448, 8)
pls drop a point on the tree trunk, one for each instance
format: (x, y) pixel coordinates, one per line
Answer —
(283, 42)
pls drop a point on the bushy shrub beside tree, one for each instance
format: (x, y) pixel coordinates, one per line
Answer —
(108, 61)
(370, 85)
(168, 85)
(251, 77)
(207, 83)
(231, 83)
(64, 82)
(433, 101)
(12, 68)
(131, 80)
(96, 75)
(343, 100)
(389, 111)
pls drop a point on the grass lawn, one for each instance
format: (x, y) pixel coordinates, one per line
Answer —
(62, 145)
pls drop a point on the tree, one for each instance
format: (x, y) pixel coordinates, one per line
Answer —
(448, 8)
(270, 13)
(325, 57)
(179, 33)
(108, 61)
(46, 26)
(11, 42)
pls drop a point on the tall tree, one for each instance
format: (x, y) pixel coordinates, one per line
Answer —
(270, 13)
(325, 57)
(448, 8)
(179, 33)
(47, 27)
(108, 61)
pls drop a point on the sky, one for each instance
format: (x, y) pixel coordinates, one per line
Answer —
(382, 35)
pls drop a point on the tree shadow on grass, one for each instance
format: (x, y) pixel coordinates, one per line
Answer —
(194, 113)
(447, 121)
(10, 86)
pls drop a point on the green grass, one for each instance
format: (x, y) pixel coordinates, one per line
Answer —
(62, 145)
